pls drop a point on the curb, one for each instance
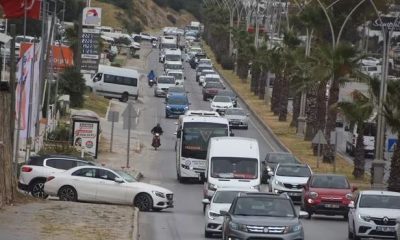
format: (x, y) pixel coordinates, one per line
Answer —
(259, 120)
(135, 233)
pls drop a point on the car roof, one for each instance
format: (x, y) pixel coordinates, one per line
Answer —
(212, 76)
(203, 113)
(177, 96)
(377, 192)
(221, 96)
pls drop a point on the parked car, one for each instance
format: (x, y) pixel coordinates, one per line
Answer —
(230, 94)
(289, 178)
(272, 159)
(220, 104)
(237, 118)
(178, 90)
(99, 184)
(373, 214)
(262, 216)
(34, 173)
(327, 194)
(176, 105)
(211, 89)
(222, 200)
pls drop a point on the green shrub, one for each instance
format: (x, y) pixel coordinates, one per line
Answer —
(73, 84)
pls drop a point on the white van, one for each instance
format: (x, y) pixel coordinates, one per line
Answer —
(115, 82)
(173, 55)
(232, 162)
(178, 75)
(172, 65)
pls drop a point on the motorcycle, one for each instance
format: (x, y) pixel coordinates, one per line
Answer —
(151, 82)
(154, 44)
(156, 141)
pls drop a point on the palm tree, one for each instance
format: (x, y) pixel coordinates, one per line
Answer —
(243, 42)
(357, 112)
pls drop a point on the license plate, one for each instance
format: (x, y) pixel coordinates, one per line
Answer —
(332, 205)
(294, 194)
(385, 229)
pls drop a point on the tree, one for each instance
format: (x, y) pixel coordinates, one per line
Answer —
(357, 112)
(73, 84)
(243, 42)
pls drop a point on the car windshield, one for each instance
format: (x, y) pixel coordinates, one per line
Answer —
(281, 158)
(336, 182)
(127, 177)
(173, 66)
(172, 57)
(176, 89)
(235, 112)
(264, 206)
(176, 75)
(213, 85)
(293, 171)
(225, 196)
(201, 68)
(203, 73)
(177, 101)
(221, 99)
(167, 80)
(209, 79)
(234, 168)
(379, 201)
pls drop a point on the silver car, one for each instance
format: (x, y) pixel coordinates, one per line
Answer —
(374, 214)
(237, 117)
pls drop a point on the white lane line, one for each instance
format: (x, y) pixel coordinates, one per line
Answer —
(262, 135)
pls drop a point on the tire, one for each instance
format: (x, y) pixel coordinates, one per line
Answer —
(207, 234)
(124, 97)
(37, 189)
(67, 193)
(144, 202)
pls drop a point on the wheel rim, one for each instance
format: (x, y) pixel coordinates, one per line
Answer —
(37, 190)
(67, 194)
(143, 202)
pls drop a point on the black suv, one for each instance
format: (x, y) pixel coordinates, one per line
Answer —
(34, 173)
(262, 216)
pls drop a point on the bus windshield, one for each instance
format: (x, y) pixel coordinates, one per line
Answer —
(234, 168)
(196, 135)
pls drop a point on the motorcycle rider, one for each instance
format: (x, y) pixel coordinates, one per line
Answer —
(156, 130)
(151, 76)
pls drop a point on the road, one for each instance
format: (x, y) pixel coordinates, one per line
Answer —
(186, 220)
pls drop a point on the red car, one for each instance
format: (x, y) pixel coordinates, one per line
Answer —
(327, 194)
(211, 89)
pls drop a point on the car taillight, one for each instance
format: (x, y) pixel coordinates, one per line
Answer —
(26, 169)
(50, 178)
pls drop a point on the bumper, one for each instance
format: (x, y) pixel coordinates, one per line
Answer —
(214, 225)
(239, 235)
(50, 190)
(371, 230)
(171, 112)
(160, 93)
(23, 187)
(294, 195)
(328, 209)
(192, 173)
(238, 124)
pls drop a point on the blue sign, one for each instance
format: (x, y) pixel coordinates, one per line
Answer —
(392, 142)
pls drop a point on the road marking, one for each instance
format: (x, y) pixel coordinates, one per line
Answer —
(262, 135)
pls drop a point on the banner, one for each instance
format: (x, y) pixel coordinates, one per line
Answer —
(15, 8)
(85, 136)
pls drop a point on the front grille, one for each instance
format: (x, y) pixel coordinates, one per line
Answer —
(388, 222)
(262, 229)
(170, 196)
(293, 186)
(334, 200)
(380, 233)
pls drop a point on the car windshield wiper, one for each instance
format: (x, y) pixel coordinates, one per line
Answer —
(243, 214)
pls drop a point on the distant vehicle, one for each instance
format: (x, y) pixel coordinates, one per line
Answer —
(373, 214)
(192, 138)
(34, 173)
(289, 178)
(220, 104)
(221, 200)
(173, 55)
(99, 184)
(230, 94)
(163, 83)
(200, 68)
(372, 71)
(194, 26)
(272, 159)
(178, 90)
(211, 89)
(352, 132)
(178, 75)
(205, 61)
(203, 74)
(327, 194)
(262, 216)
(191, 52)
(237, 118)
(370, 61)
(194, 61)
(147, 37)
(172, 65)
(115, 82)
(211, 78)
(236, 166)
(176, 105)
(168, 42)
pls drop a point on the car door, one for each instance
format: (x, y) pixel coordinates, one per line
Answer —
(85, 183)
(109, 190)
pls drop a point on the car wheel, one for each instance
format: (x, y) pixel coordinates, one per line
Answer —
(207, 234)
(37, 189)
(349, 233)
(124, 97)
(68, 193)
(144, 202)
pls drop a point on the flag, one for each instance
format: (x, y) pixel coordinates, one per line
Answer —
(15, 8)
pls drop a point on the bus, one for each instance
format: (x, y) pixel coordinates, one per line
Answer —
(193, 135)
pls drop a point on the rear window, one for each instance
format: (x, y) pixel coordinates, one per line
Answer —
(120, 80)
(61, 163)
(35, 161)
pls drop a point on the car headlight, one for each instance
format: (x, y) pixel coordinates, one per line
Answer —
(294, 228)
(212, 187)
(269, 169)
(364, 217)
(237, 226)
(279, 183)
(349, 196)
(168, 107)
(212, 215)
(159, 194)
(313, 195)
(186, 107)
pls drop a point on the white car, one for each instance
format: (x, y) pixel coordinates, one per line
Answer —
(237, 117)
(146, 37)
(221, 200)
(203, 75)
(289, 178)
(99, 184)
(374, 214)
(221, 103)
(178, 75)
(211, 78)
(205, 61)
(162, 84)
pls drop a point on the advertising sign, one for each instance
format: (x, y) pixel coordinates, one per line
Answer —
(91, 17)
(86, 136)
(62, 56)
(90, 54)
(387, 22)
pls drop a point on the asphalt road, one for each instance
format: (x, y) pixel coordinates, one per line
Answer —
(186, 220)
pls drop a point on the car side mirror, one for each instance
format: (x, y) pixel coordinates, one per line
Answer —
(351, 204)
(223, 212)
(118, 180)
(303, 214)
(96, 79)
(270, 173)
(354, 188)
(205, 201)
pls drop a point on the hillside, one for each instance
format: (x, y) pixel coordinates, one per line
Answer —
(141, 15)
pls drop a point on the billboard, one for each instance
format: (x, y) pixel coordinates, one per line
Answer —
(91, 17)
(86, 136)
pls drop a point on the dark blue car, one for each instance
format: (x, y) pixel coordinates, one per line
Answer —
(176, 105)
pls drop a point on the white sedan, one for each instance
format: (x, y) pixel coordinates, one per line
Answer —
(99, 184)
(221, 103)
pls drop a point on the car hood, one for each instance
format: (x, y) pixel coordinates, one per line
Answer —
(330, 192)
(177, 106)
(379, 212)
(292, 180)
(265, 221)
(141, 186)
(164, 85)
(217, 207)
